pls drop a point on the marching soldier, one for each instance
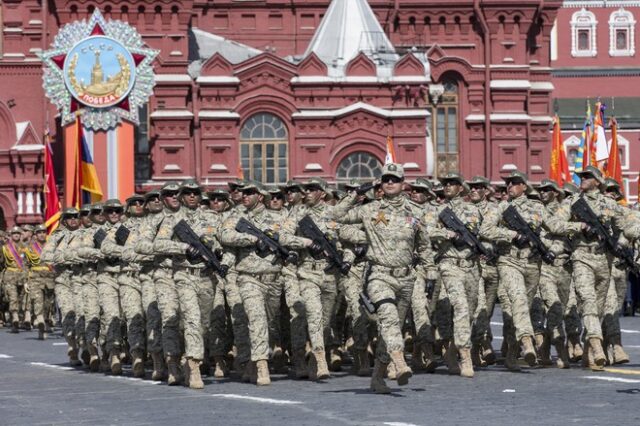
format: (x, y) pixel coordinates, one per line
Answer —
(40, 275)
(15, 275)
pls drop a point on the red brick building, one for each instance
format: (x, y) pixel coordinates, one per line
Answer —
(273, 87)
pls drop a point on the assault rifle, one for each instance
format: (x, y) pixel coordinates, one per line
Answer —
(364, 188)
(323, 245)
(122, 235)
(517, 223)
(267, 244)
(583, 212)
(183, 231)
(451, 221)
(99, 237)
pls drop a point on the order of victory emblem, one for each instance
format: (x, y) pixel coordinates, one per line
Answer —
(99, 69)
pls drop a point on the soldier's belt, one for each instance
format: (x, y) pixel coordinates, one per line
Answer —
(198, 272)
(462, 263)
(525, 253)
(11, 269)
(267, 277)
(399, 272)
(314, 265)
(40, 269)
(591, 249)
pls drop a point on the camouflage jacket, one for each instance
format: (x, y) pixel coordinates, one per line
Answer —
(124, 253)
(393, 227)
(243, 245)
(83, 250)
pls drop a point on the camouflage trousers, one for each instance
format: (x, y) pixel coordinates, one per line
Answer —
(319, 292)
(195, 289)
(109, 296)
(255, 290)
(440, 310)
(78, 301)
(420, 311)
(169, 306)
(38, 283)
(351, 286)
(615, 298)
(592, 277)
(390, 291)
(287, 285)
(14, 287)
(153, 324)
(550, 296)
(91, 306)
(484, 313)
(66, 302)
(518, 280)
(132, 309)
(567, 294)
(222, 337)
(460, 279)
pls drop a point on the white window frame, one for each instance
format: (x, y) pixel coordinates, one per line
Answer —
(583, 20)
(571, 142)
(622, 19)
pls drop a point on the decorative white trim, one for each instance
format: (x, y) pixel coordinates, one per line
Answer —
(217, 80)
(475, 117)
(541, 118)
(622, 20)
(411, 166)
(569, 4)
(359, 79)
(30, 202)
(28, 148)
(170, 113)
(312, 167)
(330, 113)
(219, 114)
(554, 41)
(20, 203)
(509, 117)
(172, 78)
(583, 20)
(542, 86)
(510, 84)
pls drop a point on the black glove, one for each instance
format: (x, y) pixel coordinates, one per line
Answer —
(345, 268)
(315, 248)
(360, 250)
(193, 255)
(292, 258)
(429, 287)
(223, 270)
(218, 253)
(261, 248)
(521, 241)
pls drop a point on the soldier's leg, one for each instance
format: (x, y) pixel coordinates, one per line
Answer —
(37, 286)
(168, 304)
(423, 344)
(108, 291)
(549, 275)
(585, 277)
(353, 285)
(329, 301)
(133, 315)
(219, 338)
(91, 307)
(65, 299)
(311, 281)
(273, 300)
(78, 302)
(153, 322)
(254, 294)
(187, 286)
(611, 324)
(206, 292)
(298, 319)
(239, 321)
(12, 283)
(512, 276)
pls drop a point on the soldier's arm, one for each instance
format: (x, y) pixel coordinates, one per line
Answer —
(163, 244)
(353, 234)
(560, 223)
(624, 220)
(144, 244)
(423, 247)
(491, 230)
(230, 237)
(288, 237)
(109, 247)
(433, 227)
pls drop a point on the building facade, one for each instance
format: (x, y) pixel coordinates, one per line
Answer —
(273, 88)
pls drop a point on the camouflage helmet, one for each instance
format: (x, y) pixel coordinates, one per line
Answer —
(97, 208)
(15, 230)
(570, 188)
(218, 193)
(190, 185)
(28, 227)
(549, 184)
(170, 186)
(393, 169)
(422, 183)
(316, 182)
(69, 211)
(252, 184)
(135, 197)
(591, 171)
(152, 194)
(518, 177)
(352, 184)
(293, 184)
(113, 204)
(40, 228)
(611, 185)
(86, 208)
(479, 181)
(452, 177)
(236, 184)
(437, 188)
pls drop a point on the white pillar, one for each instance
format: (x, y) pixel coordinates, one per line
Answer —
(30, 202)
(39, 203)
(20, 207)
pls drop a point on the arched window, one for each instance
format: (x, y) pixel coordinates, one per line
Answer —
(622, 33)
(263, 149)
(358, 165)
(443, 127)
(583, 34)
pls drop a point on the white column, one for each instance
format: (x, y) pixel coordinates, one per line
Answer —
(30, 202)
(20, 207)
(39, 203)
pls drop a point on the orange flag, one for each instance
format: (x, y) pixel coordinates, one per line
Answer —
(391, 153)
(614, 166)
(559, 163)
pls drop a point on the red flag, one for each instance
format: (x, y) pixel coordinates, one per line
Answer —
(51, 200)
(559, 162)
(614, 166)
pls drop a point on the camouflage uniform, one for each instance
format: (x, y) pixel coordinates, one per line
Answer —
(395, 233)
(591, 262)
(15, 275)
(257, 276)
(40, 276)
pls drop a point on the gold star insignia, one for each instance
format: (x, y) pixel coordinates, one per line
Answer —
(381, 218)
